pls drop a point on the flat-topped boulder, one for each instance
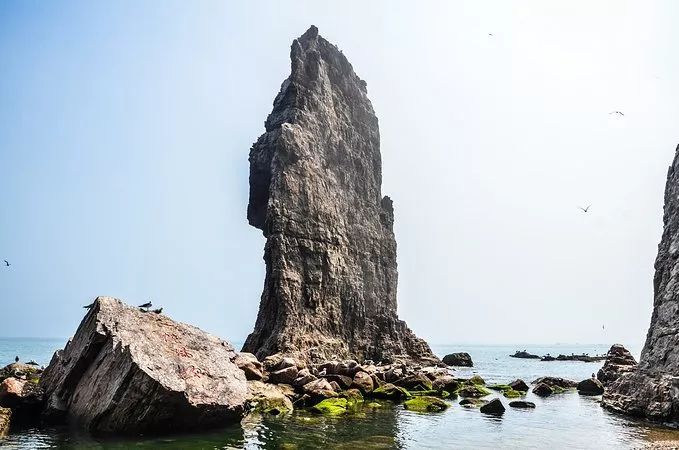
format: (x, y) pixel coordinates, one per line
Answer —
(130, 371)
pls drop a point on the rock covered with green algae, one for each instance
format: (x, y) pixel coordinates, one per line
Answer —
(332, 406)
(390, 392)
(269, 398)
(425, 403)
(473, 390)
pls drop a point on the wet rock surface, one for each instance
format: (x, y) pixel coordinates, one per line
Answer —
(128, 371)
(590, 386)
(652, 390)
(5, 418)
(494, 406)
(315, 192)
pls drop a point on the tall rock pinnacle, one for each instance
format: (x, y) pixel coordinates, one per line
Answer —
(315, 192)
(653, 389)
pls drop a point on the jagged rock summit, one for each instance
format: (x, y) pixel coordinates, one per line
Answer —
(652, 390)
(129, 371)
(315, 192)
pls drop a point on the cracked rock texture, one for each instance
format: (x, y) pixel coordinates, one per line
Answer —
(652, 391)
(315, 192)
(129, 371)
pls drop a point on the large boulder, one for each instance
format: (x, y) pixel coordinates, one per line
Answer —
(519, 385)
(618, 361)
(363, 382)
(590, 386)
(557, 382)
(543, 390)
(458, 359)
(130, 371)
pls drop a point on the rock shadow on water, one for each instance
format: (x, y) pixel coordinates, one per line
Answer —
(366, 427)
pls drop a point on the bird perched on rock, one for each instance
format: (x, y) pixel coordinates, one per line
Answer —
(146, 305)
(6, 263)
(158, 311)
(90, 305)
(16, 359)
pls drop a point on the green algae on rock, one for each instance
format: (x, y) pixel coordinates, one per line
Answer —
(425, 404)
(331, 406)
(473, 391)
(390, 392)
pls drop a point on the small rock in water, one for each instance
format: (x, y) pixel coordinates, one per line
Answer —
(519, 385)
(521, 404)
(590, 386)
(543, 390)
(494, 406)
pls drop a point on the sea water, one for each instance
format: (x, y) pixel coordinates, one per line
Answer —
(564, 421)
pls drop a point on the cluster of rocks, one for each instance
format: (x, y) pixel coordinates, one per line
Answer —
(20, 395)
(584, 357)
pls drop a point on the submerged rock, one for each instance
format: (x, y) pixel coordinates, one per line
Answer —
(618, 361)
(425, 403)
(494, 406)
(651, 390)
(590, 386)
(315, 192)
(458, 359)
(126, 371)
(521, 404)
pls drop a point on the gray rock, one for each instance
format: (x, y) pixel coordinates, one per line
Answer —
(590, 386)
(521, 404)
(248, 363)
(126, 371)
(562, 383)
(519, 385)
(286, 375)
(458, 359)
(494, 406)
(652, 391)
(618, 361)
(543, 390)
(315, 192)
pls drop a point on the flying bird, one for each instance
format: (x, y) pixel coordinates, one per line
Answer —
(584, 209)
(158, 311)
(6, 263)
(146, 305)
(620, 113)
(490, 34)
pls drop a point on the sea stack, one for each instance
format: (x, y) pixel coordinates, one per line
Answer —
(652, 391)
(315, 192)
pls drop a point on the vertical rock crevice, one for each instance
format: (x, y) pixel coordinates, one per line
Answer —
(315, 192)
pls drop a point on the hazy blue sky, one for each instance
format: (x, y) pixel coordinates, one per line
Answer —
(125, 129)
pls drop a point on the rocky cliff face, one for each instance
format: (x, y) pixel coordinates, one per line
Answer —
(129, 371)
(315, 192)
(653, 389)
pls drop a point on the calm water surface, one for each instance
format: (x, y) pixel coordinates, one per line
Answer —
(561, 421)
